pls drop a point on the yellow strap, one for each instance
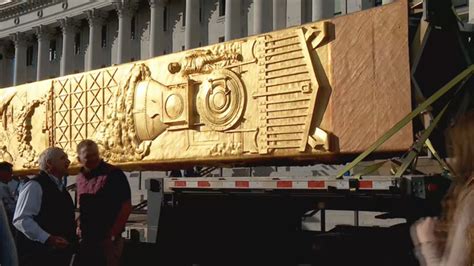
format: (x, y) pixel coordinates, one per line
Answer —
(369, 169)
(419, 144)
(441, 162)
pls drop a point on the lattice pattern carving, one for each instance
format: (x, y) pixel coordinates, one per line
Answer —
(80, 104)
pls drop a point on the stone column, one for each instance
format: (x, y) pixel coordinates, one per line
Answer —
(68, 28)
(232, 19)
(322, 9)
(125, 10)
(353, 6)
(279, 14)
(343, 6)
(43, 34)
(471, 11)
(156, 27)
(3, 65)
(358, 5)
(258, 16)
(191, 34)
(95, 18)
(19, 70)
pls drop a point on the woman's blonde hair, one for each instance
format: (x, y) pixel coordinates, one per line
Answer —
(460, 146)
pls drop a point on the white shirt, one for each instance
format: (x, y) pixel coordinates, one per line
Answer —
(29, 206)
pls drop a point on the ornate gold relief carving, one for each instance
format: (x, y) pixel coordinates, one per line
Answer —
(319, 140)
(204, 61)
(78, 107)
(4, 104)
(147, 109)
(178, 105)
(287, 88)
(23, 133)
(223, 149)
(118, 137)
(249, 97)
(6, 156)
(221, 100)
(6, 115)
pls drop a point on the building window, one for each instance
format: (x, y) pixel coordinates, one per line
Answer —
(378, 2)
(221, 39)
(77, 43)
(29, 56)
(52, 50)
(182, 48)
(103, 39)
(222, 8)
(165, 19)
(133, 28)
(1, 56)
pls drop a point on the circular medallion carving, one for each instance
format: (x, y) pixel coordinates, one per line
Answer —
(174, 106)
(40, 13)
(221, 100)
(16, 21)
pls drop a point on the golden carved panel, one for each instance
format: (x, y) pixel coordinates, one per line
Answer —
(79, 106)
(244, 101)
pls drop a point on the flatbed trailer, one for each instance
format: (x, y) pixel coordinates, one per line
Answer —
(211, 219)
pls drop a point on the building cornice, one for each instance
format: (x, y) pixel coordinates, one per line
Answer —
(16, 9)
(52, 20)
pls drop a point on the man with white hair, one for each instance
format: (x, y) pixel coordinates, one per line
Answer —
(44, 215)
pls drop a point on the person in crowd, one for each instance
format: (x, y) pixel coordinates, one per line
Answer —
(7, 196)
(104, 204)
(449, 240)
(8, 254)
(44, 215)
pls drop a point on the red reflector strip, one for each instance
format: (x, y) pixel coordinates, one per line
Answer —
(180, 183)
(284, 184)
(242, 184)
(315, 184)
(366, 184)
(204, 184)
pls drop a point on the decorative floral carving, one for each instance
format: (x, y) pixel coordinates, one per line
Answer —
(4, 103)
(23, 132)
(204, 61)
(230, 148)
(117, 138)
